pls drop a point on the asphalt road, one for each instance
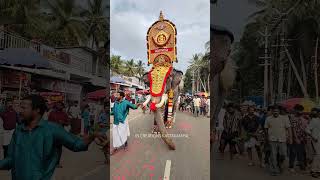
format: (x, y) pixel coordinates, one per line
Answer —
(149, 158)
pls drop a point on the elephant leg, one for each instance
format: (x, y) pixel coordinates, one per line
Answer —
(163, 130)
(165, 118)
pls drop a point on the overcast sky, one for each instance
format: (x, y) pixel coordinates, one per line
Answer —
(233, 15)
(130, 20)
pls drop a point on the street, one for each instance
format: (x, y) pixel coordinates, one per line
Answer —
(150, 158)
(237, 169)
(146, 158)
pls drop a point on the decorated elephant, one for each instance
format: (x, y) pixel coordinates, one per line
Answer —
(163, 117)
(164, 81)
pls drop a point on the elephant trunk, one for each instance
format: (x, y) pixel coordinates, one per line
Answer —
(158, 118)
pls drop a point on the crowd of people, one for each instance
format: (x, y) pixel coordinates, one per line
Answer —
(34, 133)
(197, 105)
(278, 137)
(72, 127)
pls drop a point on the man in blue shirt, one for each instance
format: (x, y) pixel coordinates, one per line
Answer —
(33, 152)
(120, 130)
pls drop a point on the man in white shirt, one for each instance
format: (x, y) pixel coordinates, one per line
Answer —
(277, 127)
(74, 114)
(196, 104)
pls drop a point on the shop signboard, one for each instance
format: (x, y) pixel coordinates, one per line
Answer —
(52, 97)
(55, 55)
(11, 79)
(61, 86)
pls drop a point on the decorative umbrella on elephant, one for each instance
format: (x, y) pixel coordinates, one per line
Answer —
(164, 81)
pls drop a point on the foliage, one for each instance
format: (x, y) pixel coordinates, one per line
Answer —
(57, 22)
(298, 21)
(129, 68)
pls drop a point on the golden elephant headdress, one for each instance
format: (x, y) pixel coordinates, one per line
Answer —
(162, 52)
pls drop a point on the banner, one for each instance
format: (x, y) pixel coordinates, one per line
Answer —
(61, 86)
(11, 79)
(52, 97)
(55, 55)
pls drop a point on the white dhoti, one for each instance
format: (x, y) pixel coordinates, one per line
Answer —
(127, 122)
(120, 134)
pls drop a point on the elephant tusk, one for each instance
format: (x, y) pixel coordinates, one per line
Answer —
(163, 100)
(147, 101)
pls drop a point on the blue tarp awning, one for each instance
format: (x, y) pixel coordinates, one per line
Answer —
(117, 79)
(25, 57)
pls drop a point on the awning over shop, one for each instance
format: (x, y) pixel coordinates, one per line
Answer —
(25, 57)
(117, 79)
(96, 95)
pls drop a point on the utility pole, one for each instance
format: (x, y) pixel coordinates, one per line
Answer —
(315, 66)
(266, 65)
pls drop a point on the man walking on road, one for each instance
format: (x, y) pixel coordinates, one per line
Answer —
(231, 130)
(313, 130)
(33, 152)
(297, 148)
(250, 124)
(203, 106)
(120, 130)
(196, 104)
(277, 127)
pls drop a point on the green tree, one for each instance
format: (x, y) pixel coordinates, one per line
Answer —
(22, 16)
(96, 21)
(130, 68)
(188, 81)
(116, 64)
(140, 69)
(66, 23)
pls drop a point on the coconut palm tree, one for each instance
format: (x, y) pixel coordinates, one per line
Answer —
(140, 69)
(22, 16)
(116, 64)
(67, 22)
(130, 68)
(96, 21)
(200, 65)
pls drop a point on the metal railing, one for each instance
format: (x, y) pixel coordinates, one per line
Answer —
(11, 40)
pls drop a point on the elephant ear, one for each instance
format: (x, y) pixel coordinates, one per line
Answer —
(145, 78)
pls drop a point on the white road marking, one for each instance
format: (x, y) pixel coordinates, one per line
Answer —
(167, 170)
